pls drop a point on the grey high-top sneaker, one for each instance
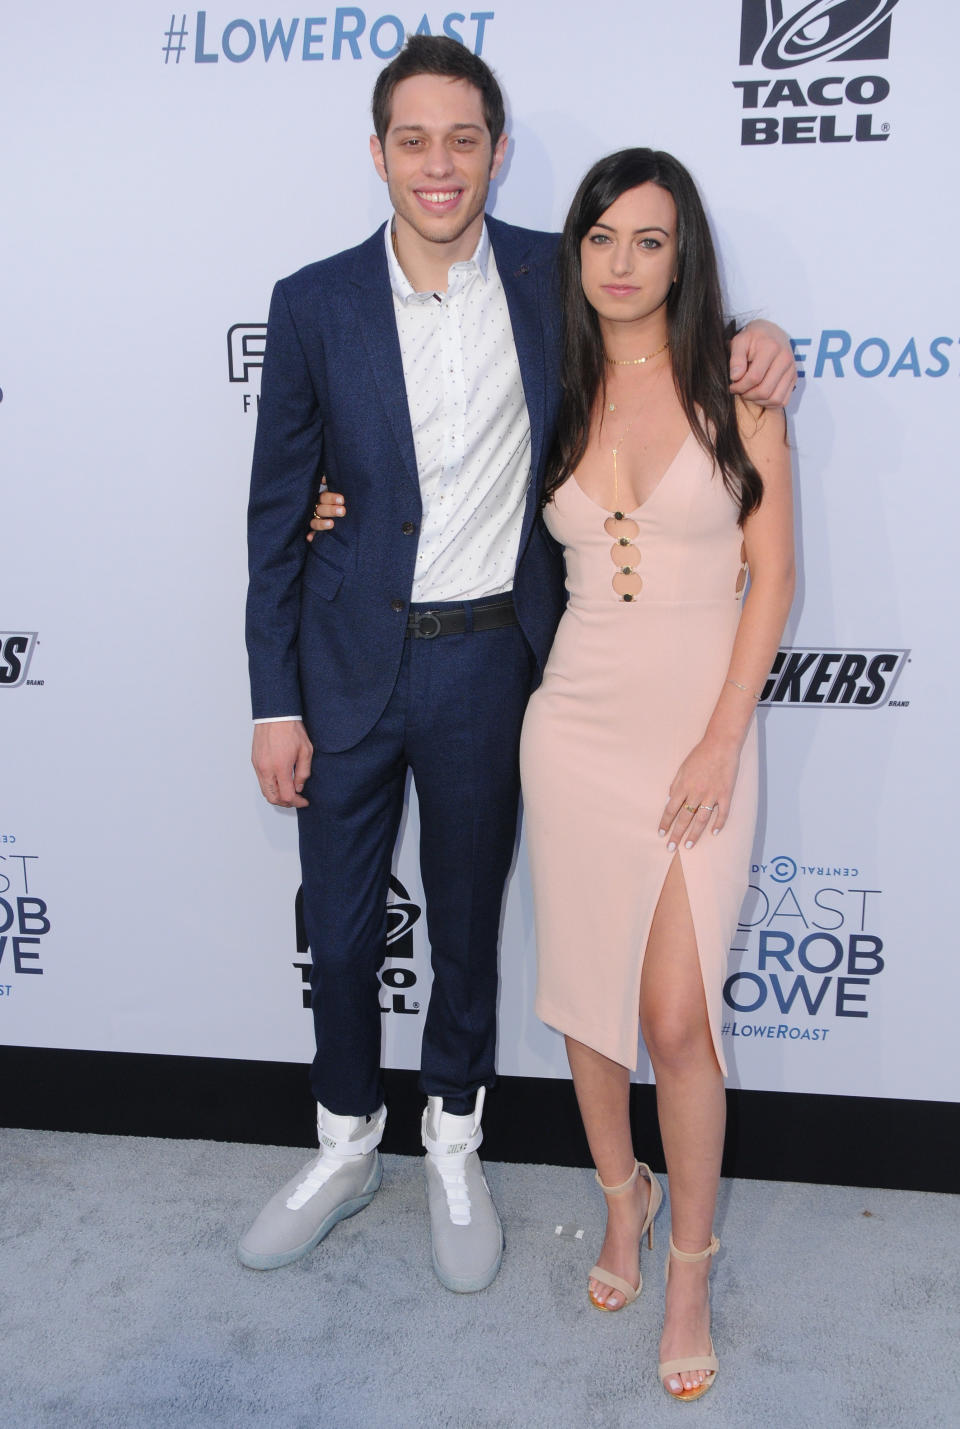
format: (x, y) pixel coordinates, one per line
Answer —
(343, 1179)
(464, 1225)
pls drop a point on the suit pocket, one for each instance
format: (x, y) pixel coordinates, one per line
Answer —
(322, 578)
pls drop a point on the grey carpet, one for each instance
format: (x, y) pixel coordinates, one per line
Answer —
(123, 1304)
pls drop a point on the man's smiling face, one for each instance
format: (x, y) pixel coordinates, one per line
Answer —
(437, 159)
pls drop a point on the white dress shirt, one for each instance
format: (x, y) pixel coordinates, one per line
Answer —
(470, 426)
(471, 431)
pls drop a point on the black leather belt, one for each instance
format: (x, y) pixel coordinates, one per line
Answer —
(428, 624)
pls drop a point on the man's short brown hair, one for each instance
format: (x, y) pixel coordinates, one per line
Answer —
(436, 54)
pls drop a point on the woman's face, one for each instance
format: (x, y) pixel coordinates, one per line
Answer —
(628, 259)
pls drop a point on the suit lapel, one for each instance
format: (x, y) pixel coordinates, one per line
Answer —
(376, 325)
(520, 284)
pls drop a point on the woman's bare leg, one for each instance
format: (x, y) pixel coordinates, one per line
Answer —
(692, 1110)
(603, 1093)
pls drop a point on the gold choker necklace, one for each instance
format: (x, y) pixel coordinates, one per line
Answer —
(637, 361)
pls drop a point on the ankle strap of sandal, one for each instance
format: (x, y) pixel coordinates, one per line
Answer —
(694, 1255)
(624, 1185)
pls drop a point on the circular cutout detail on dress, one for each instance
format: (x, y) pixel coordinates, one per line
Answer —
(620, 525)
(624, 555)
(627, 583)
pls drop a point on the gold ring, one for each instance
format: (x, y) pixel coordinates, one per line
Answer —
(691, 808)
(317, 512)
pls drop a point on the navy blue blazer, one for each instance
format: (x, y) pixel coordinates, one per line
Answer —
(326, 620)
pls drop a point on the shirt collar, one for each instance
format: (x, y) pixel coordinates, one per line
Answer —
(458, 274)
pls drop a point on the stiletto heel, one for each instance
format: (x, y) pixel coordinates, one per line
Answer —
(686, 1363)
(628, 1291)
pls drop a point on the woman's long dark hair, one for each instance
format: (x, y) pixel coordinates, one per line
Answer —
(696, 329)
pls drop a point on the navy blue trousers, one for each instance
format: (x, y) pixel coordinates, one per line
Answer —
(454, 719)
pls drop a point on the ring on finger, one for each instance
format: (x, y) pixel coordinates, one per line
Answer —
(690, 808)
(709, 807)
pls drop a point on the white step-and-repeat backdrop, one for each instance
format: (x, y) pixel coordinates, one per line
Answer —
(160, 171)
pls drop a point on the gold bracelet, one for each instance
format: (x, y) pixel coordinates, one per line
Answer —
(745, 690)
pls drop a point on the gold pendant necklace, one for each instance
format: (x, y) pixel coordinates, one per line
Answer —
(616, 475)
(627, 582)
(633, 362)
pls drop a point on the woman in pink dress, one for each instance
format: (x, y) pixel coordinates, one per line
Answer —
(639, 752)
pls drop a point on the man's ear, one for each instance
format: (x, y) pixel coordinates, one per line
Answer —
(499, 154)
(376, 154)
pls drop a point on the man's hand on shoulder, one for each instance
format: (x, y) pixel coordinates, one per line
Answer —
(762, 366)
(282, 753)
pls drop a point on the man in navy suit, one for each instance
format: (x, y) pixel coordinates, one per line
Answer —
(419, 373)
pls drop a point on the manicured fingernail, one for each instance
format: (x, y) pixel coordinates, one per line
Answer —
(715, 832)
(661, 833)
(671, 847)
(689, 843)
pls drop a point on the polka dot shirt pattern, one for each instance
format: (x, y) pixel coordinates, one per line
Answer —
(471, 431)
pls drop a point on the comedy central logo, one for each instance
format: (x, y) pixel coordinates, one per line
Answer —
(834, 679)
(16, 652)
(827, 108)
(397, 977)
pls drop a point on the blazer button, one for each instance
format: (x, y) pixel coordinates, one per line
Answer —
(408, 528)
(398, 605)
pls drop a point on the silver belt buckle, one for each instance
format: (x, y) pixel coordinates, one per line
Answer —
(419, 618)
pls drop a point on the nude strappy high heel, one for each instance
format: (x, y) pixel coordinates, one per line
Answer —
(628, 1291)
(687, 1363)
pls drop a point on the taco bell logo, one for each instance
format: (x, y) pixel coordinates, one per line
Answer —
(398, 975)
(832, 108)
(823, 30)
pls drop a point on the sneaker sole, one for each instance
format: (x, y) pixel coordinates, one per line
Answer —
(260, 1261)
(467, 1285)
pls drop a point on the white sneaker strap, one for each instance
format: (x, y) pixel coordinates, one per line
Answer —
(455, 1147)
(340, 1144)
(335, 1151)
(453, 1179)
(456, 1135)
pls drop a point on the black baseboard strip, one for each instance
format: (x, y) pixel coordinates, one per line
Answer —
(776, 1136)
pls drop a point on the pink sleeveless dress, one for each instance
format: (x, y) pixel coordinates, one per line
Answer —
(627, 692)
